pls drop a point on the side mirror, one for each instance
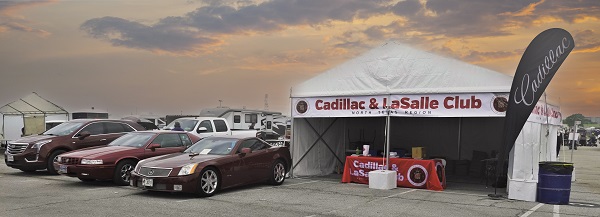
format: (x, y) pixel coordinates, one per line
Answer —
(201, 129)
(153, 147)
(84, 134)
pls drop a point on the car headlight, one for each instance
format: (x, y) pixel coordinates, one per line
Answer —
(38, 145)
(89, 161)
(187, 169)
(138, 165)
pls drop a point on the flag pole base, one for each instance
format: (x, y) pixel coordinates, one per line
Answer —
(496, 196)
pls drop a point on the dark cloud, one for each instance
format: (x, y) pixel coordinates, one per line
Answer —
(375, 32)
(587, 39)
(121, 32)
(435, 18)
(179, 33)
(407, 8)
(569, 11)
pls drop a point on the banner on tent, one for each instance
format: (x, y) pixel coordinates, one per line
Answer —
(414, 105)
(411, 173)
(545, 114)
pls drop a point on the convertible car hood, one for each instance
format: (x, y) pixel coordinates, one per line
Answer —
(177, 160)
(101, 152)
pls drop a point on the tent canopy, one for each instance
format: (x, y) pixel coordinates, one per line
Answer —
(32, 104)
(394, 68)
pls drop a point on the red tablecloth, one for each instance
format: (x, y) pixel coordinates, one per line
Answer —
(412, 173)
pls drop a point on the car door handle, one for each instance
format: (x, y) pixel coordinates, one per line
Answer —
(103, 140)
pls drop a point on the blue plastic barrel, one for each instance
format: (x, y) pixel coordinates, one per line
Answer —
(554, 182)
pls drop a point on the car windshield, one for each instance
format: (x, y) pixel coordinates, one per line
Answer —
(136, 140)
(216, 146)
(64, 129)
(187, 125)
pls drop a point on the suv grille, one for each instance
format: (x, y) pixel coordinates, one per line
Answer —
(155, 172)
(69, 160)
(16, 148)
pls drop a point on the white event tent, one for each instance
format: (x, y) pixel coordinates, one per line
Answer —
(452, 108)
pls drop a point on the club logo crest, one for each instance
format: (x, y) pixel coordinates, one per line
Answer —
(301, 106)
(417, 175)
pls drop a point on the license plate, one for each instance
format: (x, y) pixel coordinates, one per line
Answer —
(62, 169)
(147, 182)
(10, 158)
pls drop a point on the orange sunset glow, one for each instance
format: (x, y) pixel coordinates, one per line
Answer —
(172, 57)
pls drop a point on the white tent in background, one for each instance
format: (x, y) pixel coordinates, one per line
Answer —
(33, 111)
(453, 109)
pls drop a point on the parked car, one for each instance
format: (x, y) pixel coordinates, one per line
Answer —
(209, 126)
(115, 161)
(38, 152)
(212, 164)
(53, 123)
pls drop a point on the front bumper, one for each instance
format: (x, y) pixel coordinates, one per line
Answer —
(101, 172)
(28, 160)
(188, 183)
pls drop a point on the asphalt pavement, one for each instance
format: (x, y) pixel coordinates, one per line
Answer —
(39, 194)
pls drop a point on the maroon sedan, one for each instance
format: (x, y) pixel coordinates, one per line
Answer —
(214, 163)
(116, 160)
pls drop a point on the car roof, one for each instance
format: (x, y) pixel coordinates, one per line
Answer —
(96, 120)
(239, 137)
(200, 118)
(160, 131)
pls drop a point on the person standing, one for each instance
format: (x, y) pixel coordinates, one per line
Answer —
(177, 127)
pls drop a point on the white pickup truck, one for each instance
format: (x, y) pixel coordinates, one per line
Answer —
(209, 126)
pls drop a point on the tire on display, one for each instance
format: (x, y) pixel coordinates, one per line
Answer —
(122, 172)
(209, 182)
(277, 173)
(50, 161)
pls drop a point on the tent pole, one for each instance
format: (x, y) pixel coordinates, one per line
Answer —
(459, 135)
(387, 141)
(3, 127)
(291, 172)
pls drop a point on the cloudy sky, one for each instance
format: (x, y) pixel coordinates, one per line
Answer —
(179, 56)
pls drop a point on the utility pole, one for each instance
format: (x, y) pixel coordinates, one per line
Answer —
(266, 102)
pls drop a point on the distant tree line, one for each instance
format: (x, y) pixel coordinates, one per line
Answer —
(577, 117)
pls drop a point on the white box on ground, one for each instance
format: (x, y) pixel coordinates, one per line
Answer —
(521, 189)
(382, 179)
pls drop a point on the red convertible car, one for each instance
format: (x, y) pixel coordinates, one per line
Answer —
(116, 160)
(214, 163)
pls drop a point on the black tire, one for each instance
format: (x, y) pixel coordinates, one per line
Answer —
(278, 171)
(209, 182)
(86, 180)
(50, 161)
(122, 172)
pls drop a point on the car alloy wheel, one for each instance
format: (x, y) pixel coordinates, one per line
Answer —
(209, 181)
(279, 172)
(126, 172)
(278, 175)
(122, 173)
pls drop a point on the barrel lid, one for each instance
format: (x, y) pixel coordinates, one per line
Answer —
(556, 163)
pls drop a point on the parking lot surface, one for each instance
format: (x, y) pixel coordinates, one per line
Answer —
(39, 194)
